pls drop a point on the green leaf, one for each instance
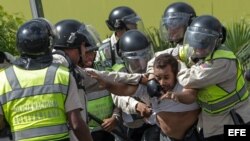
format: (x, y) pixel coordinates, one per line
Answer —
(9, 24)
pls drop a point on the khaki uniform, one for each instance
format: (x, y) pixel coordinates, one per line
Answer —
(221, 72)
(103, 59)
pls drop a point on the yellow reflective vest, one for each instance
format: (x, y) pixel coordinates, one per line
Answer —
(100, 103)
(214, 99)
(33, 102)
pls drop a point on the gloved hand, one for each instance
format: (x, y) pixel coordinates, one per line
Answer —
(154, 88)
(192, 61)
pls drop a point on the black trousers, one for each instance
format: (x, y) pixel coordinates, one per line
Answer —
(102, 136)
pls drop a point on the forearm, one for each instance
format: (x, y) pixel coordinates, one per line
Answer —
(83, 133)
(121, 89)
(122, 77)
(125, 103)
(150, 66)
(78, 126)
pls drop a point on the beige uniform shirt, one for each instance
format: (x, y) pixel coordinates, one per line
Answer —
(221, 72)
(123, 77)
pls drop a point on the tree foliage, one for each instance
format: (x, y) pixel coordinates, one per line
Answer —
(238, 40)
(9, 24)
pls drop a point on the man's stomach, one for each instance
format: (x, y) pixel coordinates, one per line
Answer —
(176, 124)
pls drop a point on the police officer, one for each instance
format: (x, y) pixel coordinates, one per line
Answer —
(120, 20)
(175, 20)
(100, 105)
(223, 94)
(74, 39)
(36, 95)
(136, 50)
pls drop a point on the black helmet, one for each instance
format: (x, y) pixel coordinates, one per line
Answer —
(71, 34)
(204, 34)
(122, 18)
(35, 37)
(135, 50)
(175, 19)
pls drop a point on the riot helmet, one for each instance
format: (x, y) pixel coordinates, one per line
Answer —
(135, 50)
(175, 20)
(35, 37)
(124, 17)
(71, 34)
(203, 35)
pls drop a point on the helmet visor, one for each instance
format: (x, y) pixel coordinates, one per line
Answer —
(136, 61)
(133, 22)
(92, 37)
(132, 19)
(201, 40)
(173, 26)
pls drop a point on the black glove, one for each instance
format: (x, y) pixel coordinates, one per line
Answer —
(154, 88)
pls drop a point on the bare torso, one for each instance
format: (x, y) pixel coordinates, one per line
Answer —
(175, 124)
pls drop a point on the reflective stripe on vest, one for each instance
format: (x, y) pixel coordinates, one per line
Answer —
(35, 108)
(118, 67)
(183, 53)
(101, 105)
(43, 131)
(213, 99)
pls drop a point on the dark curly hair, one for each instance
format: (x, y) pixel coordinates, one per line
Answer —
(164, 60)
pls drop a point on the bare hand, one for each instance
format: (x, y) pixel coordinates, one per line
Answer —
(151, 76)
(109, 124)
(93, 74)
(144, 79)
(143, 109)
(169, 95)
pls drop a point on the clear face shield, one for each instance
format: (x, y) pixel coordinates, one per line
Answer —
(96, 40)
(173, 26)
(201, 41)
(136, 61)
(92, 36)
(134, 22)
